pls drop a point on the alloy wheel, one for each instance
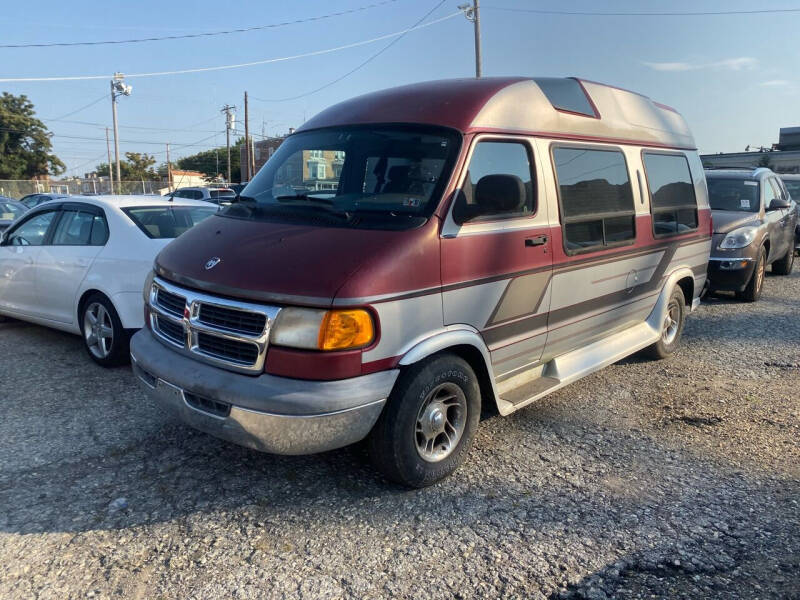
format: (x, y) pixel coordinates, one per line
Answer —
(441, 422)
(671, 323)
(98, 330)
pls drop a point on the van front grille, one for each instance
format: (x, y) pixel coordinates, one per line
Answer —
(171, 303)
(170, 330)
(243, 353)
(231, 319)
(227, 333)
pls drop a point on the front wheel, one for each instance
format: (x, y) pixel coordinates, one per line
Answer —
(106, 341)
(671, 328)
(752, 292)
(784, 265)
(426, 429)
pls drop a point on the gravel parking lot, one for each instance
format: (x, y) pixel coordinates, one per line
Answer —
(672, 479)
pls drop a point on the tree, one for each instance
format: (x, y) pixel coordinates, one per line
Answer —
(25, 145)
(135, 167)
(215, 161)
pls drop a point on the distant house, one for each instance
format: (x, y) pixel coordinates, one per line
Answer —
(262, 151)
(187, 179)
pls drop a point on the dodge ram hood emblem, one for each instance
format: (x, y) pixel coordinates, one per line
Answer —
(212, 262)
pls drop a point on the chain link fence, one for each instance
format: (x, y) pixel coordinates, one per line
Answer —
(19, 188)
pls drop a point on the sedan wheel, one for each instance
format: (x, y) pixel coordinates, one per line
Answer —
(98, 330)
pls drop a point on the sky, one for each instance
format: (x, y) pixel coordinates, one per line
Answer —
(733, 77)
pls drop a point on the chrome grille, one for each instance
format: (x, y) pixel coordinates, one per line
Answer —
(242, 352)
(232, 319)
(172, 303)
(223, 332)
(171, 330)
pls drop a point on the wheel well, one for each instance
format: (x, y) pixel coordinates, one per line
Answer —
(766, 247)
(475, 360)
(687, 285)
(85, 297)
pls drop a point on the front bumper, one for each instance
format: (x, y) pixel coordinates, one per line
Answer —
(730, 274)
(271, 414)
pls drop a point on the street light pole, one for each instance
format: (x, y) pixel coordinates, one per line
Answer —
(110, 173)
(473, 14)
(230, 123)
(118, 88)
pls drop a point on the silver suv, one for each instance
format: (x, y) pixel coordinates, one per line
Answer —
(221, 196)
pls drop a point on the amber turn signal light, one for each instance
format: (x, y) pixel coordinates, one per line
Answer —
(344, 329)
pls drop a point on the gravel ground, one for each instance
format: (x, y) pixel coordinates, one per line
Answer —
(676, 479)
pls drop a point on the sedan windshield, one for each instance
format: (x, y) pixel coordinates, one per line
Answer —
(733, 194)
(167, 222)
(9, 211)
(377, 177)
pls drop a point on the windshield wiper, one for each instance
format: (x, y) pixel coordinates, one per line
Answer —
(303, 196)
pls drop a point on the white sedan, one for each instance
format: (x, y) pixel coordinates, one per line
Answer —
(79, 264)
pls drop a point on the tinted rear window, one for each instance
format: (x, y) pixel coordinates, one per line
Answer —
(167, 222)
(222, 194)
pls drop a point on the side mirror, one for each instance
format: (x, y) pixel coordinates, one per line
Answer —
(778, 204)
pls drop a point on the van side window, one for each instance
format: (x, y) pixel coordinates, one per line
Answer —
(596, 198)
(672, 200)
(498, 183)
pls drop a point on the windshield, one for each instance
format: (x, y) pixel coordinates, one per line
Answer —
(733, 194)
(167, 222)
(793, 185)
(9, 211)
(376, 177)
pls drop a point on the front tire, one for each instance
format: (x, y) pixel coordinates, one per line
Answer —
(104, 338)
(753, 290)
(426, 429)
(784, 265)
(671, 329)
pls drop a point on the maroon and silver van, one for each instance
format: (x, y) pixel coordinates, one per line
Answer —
(415, 255)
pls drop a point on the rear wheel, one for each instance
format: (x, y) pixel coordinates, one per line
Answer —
(784, 265)
(427, 427)
(753, 290)
(106, 341)
(671, 328)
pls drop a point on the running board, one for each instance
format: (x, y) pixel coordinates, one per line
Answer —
(572, 366)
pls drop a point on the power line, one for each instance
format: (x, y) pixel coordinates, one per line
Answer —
(202, 34)
(82, 108)
(351, 71)
(234, 66)
(97, 139)
(644, 14)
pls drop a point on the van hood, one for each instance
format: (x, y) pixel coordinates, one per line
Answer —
(727, 220)
(280, 262)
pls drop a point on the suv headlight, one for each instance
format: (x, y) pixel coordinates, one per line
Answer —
(315, 329)
(738, 238)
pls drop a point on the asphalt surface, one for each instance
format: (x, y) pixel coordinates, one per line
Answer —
(675, 479)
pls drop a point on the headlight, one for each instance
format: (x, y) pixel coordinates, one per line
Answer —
(148, 283)
(738, 238)
(315, 329)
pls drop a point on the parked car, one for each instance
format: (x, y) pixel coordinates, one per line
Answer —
(219, 196)
(792, 184)
(79, 264)
(32, 200)
(414, 255)
(238, 187)
(754, 227)
(10, 209)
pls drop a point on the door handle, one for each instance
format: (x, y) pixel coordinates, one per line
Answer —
(539, 240)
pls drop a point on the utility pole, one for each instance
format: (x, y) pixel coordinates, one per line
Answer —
(118, 88)
(230, 123)
(245, 172)
(169, 172)
(473, 14)
(110, 172)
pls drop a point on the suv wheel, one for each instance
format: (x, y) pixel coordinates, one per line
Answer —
(753, 290)
(107, 343)
(671, 328)
(784, 265)
(426, 429)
